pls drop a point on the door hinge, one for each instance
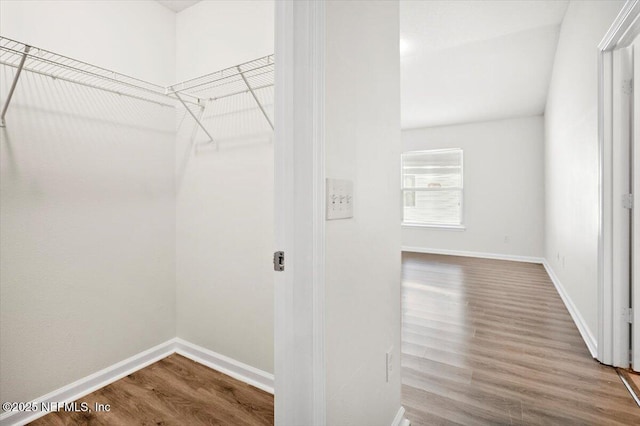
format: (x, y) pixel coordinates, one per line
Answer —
(627, 87)
(628, 315)
(278, 261)
(627, 201)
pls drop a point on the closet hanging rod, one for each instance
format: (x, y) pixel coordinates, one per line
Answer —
(228, 76)
(249, 77)
(220, 82)
(239, 92)
(169, 104)
(46, 63)
(261, 80)
(266, 63)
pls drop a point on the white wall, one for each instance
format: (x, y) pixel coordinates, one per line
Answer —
(110, 34)
(571, 154)
(363, 253)
(503, 187)
(213, 35)
(87, 200)
(94, 217)
(225, 223)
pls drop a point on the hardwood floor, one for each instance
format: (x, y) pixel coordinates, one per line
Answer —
(173, 391)
(490, 342)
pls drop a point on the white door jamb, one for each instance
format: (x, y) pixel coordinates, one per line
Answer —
(611, 348)
(299, 213)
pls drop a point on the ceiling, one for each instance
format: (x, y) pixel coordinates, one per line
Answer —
(469, 61)
(178, 5)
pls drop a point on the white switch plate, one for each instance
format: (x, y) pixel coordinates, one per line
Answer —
(339, 199)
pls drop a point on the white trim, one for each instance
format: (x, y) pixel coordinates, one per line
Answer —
(317, 48)
(434, 226)
(482, 255)
(229, 366)
(399, 419)
(611, 350)
(620, 26)
(605, 205)
(300, 370)
(635, 228)
(91, 383)
(284, 384)
(583, 328)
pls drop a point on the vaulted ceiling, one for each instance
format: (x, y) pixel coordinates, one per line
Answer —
(471, 60)
(468, 61)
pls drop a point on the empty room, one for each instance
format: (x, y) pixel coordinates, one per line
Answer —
(501, 319)
(310, 212)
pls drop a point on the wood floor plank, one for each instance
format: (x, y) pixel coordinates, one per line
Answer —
(173, 391)
(491, 342)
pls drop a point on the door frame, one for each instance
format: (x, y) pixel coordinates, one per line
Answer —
(612, 347)
(299, 317)
(635, 219)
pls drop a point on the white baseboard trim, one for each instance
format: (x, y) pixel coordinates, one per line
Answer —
(482, 255)
(91, 383)
(586, 334)
(399, 419)
(86, 385)
(231, 367)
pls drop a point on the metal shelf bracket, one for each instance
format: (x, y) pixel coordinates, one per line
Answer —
(197, 120)
(13, 85)
(255, 97)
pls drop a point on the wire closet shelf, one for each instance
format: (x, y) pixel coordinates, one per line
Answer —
(245, 78)
(249, 77)
(23, 57)
(254, 75)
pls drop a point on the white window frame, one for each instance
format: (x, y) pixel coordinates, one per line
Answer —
(457, 227)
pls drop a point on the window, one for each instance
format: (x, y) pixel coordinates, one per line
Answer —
(432, 187)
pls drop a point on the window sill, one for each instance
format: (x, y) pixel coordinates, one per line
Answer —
(442, 227)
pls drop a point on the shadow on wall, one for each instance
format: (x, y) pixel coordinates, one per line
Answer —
(87, 211)
(83, 139)
(235, 122)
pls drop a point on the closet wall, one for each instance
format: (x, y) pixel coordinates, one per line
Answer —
(213, 35)
(225, 198)
(87, 206)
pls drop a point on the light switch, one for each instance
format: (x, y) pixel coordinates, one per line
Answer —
(339, 199)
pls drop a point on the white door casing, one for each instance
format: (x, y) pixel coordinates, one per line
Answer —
(621, 186)
(299, 213)
(613, 279)
(635, 221)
